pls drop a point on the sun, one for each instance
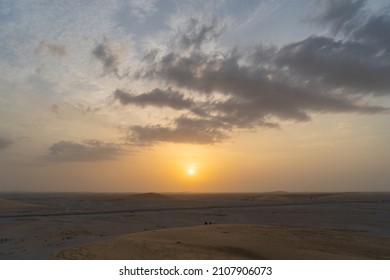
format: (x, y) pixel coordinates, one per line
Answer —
(191, 171)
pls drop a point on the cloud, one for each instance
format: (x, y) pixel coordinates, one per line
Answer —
(338, 15)
(210, 122)
(257, 86)
(350, 19)
(51, 48)
(185, 130)
(55, 109)
(5, 143)
(357, 63)
(157, 97)
(254, 87)
(88, 150)
(375, 32)
(109, 56)
(197, 33)
(359, 67)
(141, 9)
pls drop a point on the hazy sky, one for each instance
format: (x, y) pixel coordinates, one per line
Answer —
(250, 96)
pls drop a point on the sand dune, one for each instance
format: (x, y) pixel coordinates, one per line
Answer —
(7, 204)
(159, 226)
(151, 197)
(235, 242)
(139, 198)
(285, 197)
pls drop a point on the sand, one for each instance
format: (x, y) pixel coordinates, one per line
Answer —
(10, 204)
(235, 242)
(137, 198)
(272, 225)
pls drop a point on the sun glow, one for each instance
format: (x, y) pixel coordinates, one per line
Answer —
(191, 171)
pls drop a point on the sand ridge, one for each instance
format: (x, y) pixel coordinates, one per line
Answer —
(7, 204)
(138, 198)
(285, 197)
(235, 242)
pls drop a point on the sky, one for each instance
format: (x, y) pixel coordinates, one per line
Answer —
(194, 96)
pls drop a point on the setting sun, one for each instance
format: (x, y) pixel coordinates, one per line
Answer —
(191, 171)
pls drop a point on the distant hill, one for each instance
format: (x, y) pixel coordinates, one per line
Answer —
(151, 197)
(141, 197)
(297, 197)
(8, 204)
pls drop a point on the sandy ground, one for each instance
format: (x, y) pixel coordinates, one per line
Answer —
(235, 242)
(314, 225)
(10, 204)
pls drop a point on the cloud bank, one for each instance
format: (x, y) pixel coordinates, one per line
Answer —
(88, 150)
(157, 97)
(257, 86)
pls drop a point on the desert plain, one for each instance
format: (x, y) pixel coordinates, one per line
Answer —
(275, 225)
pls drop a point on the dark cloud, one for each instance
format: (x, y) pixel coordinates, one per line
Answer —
(360, 67)
(338, 15)
(157, 97)
(5, 143)
(53, 49)
(185, 130)
(359, 63)
(215, 119)
(198, 33)
(109, 57)
(255, 86)
(350, 19)
(88, 150)
(55, 109)
(375, 32)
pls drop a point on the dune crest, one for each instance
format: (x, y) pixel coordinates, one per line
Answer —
(235, 242)
(141, 197)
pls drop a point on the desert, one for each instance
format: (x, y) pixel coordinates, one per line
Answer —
(275, 225)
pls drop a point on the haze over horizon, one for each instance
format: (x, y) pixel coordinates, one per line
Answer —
(195, 96)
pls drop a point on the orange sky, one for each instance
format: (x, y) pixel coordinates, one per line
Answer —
(254, 96)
